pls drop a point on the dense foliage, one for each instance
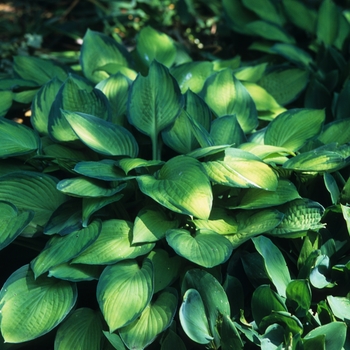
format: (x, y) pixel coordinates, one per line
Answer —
(168, 193)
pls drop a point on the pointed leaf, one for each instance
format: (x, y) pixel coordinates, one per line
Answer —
(293, 128)
(31, 308)
(61, 249)
(193, 318)
(75, 95)
(192, 75)
(270, 31)
(32, 191)
(84, 187)
(75, 272)
(115, 340)
(327, 22)
(12, 223)
(155, 318)
(274, 262)
(112, 245)
(41, 105)
(299, 292)
(102, 136)
(152, 106)
(265, 9)
(207, 248)
(151, 224)
(225, 95)
(16, 139)
(6, 102)
(181, 186)
(241, 169)
(39, 70)
(104, 169)
(81, 330)
(123, 292)
(336, 131)
(97, 51)
(153, 45)
(166, 269)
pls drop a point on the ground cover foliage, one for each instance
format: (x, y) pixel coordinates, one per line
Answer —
(167, 193)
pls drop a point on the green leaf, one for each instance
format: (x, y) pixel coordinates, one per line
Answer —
(332, 187)
(320, 273)
(270, 31)
(75, 95)
(290, 323)
(300, 15)
(180, 136)
(219, 221)
(293, 128)
(181, 186)
(213, 295)
(166, 269)
(264, 301)
(113, 245)
(254, 222)
(336, 131)
(327, 22)
(75, 272)
(128, 164)
(41, 105)
(153, 45)
(241, 169)
(340, 307)
(123, 292)
(274, 262)
(193, 318)
(299, 292)
(115, 340)
(62, 249)
(81, 330)
(150, 225)
(206, 248)
(192, 75)
(346, 214)
(285, 84)
(171, 341)
(333, 334)
(227, 131)
(152, 106)
(154, 319)
(116, 88)
(39, 70)
(99, 50)
(92, 205)
(32, 307)
(84, 187)
(16, 139)
(104, 169)
(265, 9)
(31, 191)
(322, 159)
(12, 222)
(225, 95)
(6, 102)
(255, 198)
(229, 336)
(102, 136)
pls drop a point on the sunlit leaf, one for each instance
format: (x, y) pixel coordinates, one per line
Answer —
(206, 248)
(112, 245)
(153, 45)
(123, 292)
(181, 186)
(32, 307)
(81, 330)
(75, 272)
(154, 319)
(61, 249)
(225, 94)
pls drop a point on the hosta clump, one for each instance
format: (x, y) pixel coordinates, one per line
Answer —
(161, 187)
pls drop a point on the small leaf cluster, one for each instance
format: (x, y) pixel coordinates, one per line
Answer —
(202, 203)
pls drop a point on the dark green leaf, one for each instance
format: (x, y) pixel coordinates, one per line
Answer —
(327, 22)
(6, 102)
(290, 323)
(270, 31)
(299, 292)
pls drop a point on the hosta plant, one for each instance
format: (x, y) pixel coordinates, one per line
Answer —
(171, 203)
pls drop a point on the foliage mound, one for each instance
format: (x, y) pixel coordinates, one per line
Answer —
(179, 203)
